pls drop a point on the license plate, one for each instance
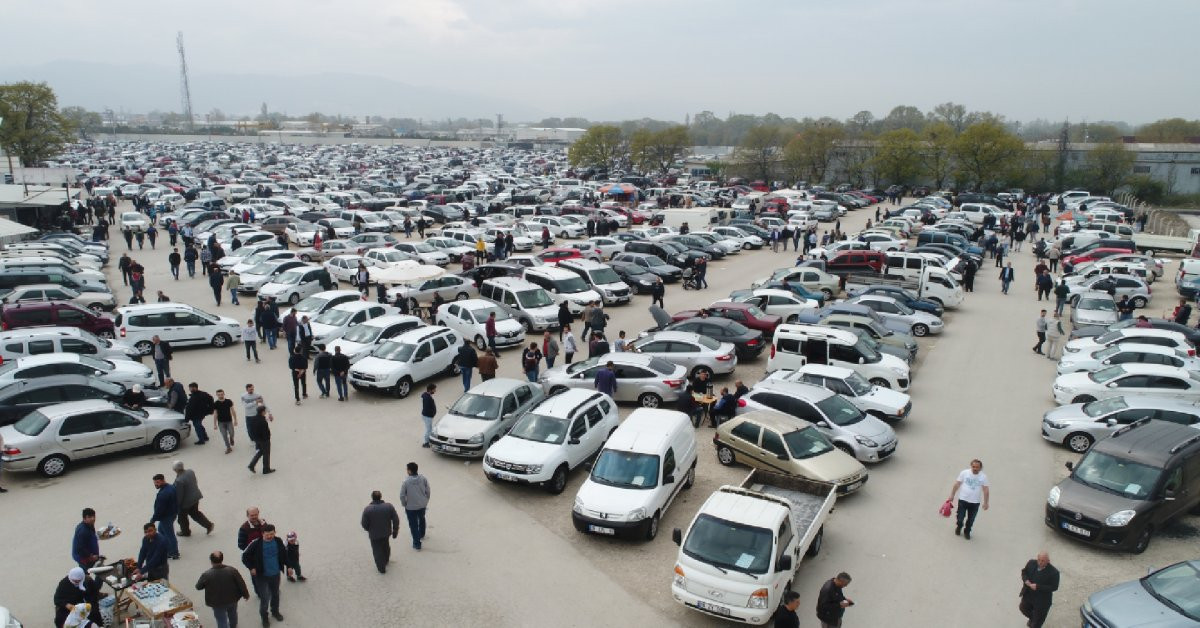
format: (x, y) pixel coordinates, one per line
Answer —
(1076, 529)
(600, 530)
(853, 486)
(506, 477)
(451, 449)
(713, 608)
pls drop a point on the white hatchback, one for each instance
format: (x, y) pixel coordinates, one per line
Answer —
(469, 318)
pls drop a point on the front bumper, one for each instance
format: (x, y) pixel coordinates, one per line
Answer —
(1091, 531)
(455, 447)
(604, 527)
(373, 382)
(721, 610)
(517, 473)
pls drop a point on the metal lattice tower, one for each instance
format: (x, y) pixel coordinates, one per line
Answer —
(185, 92)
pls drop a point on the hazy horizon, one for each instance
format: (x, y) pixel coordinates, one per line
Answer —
(530, 59)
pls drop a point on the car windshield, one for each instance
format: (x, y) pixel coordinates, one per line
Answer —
(577, 366)
(477, 407)
(571, 285)
(32, 424)
(256, 259)
(858, 384)
(868, 352)
(363, 334)
(422, 247)
(903, 308)
(534, 298)
(840, 411)
(1176, 586)
(311, 304)
(1107, 352)
(290, 277)
(540, 428)
(807, 443)
(1109, 338)
(1103, 407)
(389, 256)
(1103, 375)
(1097, 304)
(481, 315)
(1117, 475)
(729, 545)
(265, 268)
(334, 317)
(396, 351)
(601, 276)
(626, 469)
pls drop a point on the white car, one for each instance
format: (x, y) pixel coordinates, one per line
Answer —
(560, 226)
(337, 320)
(449, 287)
(1149, 336)
(745, 239)
(879, 241)
(300, 233)
(387, 257)
(270, 255)
(449, 247)
(557, 435)
(341, 228)
(261, 275)
(425, 253)
(412, 357)
(362, 339)
(889, 309)
(469, 318)
(783, 303)
(345, 267)
(115, 370)
(298, 283)
(882, 403)
(1125, 353)
(177, 323)
(482, 415)
(607, 246)
(1127, 380)
(135, 222)
(521, 240)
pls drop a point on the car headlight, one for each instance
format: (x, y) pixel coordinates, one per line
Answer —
(1120, 518)
(1056, 425)
(476, 439)
(1052, 498)
(488, 461)
(607, 292)
(578, 507)
(533, 468)
(866, 442)
(680, 578)
(637, 514)
(758, 599)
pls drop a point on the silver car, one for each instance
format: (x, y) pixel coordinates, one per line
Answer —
(1078, 425)
(1125, 352)
(1135, 288)
(482, 415)
(450, 287)
(695, 352)
(889, 309)
(1165, 599)
(50, 439)
(648, 380)
(1093, 308)
(125, 372)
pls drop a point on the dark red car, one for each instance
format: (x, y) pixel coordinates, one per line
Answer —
(55, 314)
(1093, 255)
(747, 314)
(844, 262)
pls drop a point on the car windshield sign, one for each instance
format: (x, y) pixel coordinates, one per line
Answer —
(807, 443)
(729, 545)
(540, 428)
(477, 407)
(626, 469)
(1117, 475)
(1176, 586)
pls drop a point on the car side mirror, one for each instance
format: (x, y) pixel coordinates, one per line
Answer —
(1169, 494)
(677, 536)
(784, 563)
(670, 479)
(508, 417)
(573, 441)
(1070, 466)
(862, 360)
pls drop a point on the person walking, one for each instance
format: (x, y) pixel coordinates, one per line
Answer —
(414, 497)
(232, 284)
(1052, 255)
(1044, 284)
(467, 360)
(606, 380)
(549, 349)
(153, 555)
(323, 367)
(1055, 334)
(266, 559)
(598, 319)
(832, 601)
(340, 365)
(570, 346)
(1039, 581)
(1061, 292)
(785, 616)
(1007, 274)
(250, 339)
(260, 433)
(174, 259)
(199, 406)
(189, 259)
(224, 419)
(382, 523)
(216, 281)
(187, 490)
(1000, 249)
(223, 588)
(970, 489)
(1040, 327)
(166, 511)
(428, 411)
(969, 276)
(657, 292)
(531, 359)
(487, 365)
(298, 365)
(489, 330)
(160, 352)
(124, 264)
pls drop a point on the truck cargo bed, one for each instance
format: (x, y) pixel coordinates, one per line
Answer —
(807, 508)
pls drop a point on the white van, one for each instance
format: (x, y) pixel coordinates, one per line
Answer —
(796, 345)
(177, 323)
(526, 302)
(640, 471)
(564, 286)
(601, 277)
(698, 218)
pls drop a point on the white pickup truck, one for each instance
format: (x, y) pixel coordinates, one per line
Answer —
(740, 553)
(933, 283)
(1150, 243)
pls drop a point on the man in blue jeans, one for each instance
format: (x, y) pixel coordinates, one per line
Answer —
(341, 370)
(970, 489)
(414, 496)
(265, 558)
(428, 411)
(166, 510)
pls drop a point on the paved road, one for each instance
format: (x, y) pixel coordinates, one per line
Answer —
(508, 556)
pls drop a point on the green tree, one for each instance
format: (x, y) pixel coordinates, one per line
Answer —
(937, 159)
(759, 151)
(858, 161)
(83, 120)
(1147, 189)
(1109, 166)
(33, 129)
(953, 114)
(602, 146)
(1169, 130)
(985, 153)
(809, 154)
(861, 123)
(898, 156)
(657, 151)
(904, 117)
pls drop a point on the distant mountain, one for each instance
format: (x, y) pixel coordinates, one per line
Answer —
(142, 88)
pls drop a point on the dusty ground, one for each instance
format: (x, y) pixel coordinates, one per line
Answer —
(508, 556)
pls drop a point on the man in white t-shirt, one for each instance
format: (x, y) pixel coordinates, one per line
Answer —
(970, 489)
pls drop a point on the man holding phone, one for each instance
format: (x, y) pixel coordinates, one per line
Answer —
(832, 603)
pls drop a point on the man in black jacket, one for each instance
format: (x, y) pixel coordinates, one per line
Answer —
(467, 360)
(831, 603)
(1039, 581)
(199, 406)
(380, 520)
(266, 559)
(223, 588)
(341, 371)
(160, 352)
(260, 433)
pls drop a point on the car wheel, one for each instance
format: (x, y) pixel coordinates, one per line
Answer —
(528, 325)
(1143, 540)
(652, 528)
(353, 280)
(1079, 442)
(294, 299)
(1138, 302)
(562, 234)
(814, 548)
(701, 369)
(690, 479)
(920, 329)
(144, 347)
(558, 481)
(402, 387)
(53, 466)
(725, 456)
(481, 343)
(306, 258)
(462, 296)
(650, 400)
(845, 449)
(1083, 399)
(106, 334)
(745, 246)
(454, 369)
(221, 340)
(880, 382)
(96, 307)
(166, 442)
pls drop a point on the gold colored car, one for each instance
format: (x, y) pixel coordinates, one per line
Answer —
(776, 442)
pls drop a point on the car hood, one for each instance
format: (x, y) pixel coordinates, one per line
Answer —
(1130, 605)
(886, 398)
(661, 318)
(1075, 381)
(372, 365)
(830, 466)
(1098, 504)
(458, 426)
(1071, 412)
(130, 368)
(873, 429)
(521, 451)
(351, 349)
(616, 500)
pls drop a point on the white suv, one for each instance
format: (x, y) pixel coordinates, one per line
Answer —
(557, 435)
(177, 323)
(411, 357)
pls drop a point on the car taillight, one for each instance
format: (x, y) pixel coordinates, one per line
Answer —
(4, 326)
(673, 383)
(725, 358)
(753, 342)
(9, 450)
(1191, 353)
(122, 332)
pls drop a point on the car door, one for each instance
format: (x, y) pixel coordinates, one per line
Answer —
(578, 445)
(82, 436)
(1173, 387)
(744, 441)
(121, 431)
(161, 324)
(631, 381)
(192, 329)
(39, 347)
(684, 353)
(75, 345)
(422, 363)
(773, 453)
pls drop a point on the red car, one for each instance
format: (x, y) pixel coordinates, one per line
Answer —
(553, 256)
(747, 314)
(1093, 255)
(856, 262)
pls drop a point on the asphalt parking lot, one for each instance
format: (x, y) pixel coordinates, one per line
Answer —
(508, 556)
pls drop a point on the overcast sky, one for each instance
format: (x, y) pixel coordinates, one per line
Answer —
(614, 59)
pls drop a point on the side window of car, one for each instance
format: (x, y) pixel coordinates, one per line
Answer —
(594, 416)
(578, 428)
(113, 419)
(523, 395)
(1183, 418)
(79, 424)
(49, 394)
(1174, 480)
(773, 444)
(440, 344)
(787, 345)
(842, 353)
(1133, 381)
(669, 462)
(1172, 383)
(74, 345)
(37, 347)
(805, 411)
(423, 352)
(747, 431)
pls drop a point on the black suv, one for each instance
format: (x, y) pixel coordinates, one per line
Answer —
(1128, 486)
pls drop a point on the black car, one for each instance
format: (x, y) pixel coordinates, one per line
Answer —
(638, 278)
(652, 264)
(749, 342)
(482, 273)
(1192, 335)
(904, 296)
(686, 254)
(22, 397)
(698, 244)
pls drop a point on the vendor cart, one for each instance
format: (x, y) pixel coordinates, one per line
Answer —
(150, 604)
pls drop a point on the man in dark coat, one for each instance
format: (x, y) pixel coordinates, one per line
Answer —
(152, 557)
(223, 588)
(831, 602)
(260, 433)
(1039, 581)
(199, 405)
(380, 520)
(85, 545)
(187, 490)
(266, 559)
(166, 511)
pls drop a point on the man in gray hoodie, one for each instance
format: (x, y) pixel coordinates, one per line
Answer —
(414, 496)
(380, 521)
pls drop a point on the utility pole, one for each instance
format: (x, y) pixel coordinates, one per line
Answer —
(185, 91)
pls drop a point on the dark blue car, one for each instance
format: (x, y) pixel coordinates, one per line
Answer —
(904, 296)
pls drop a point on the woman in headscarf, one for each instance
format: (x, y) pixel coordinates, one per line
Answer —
(77, 588)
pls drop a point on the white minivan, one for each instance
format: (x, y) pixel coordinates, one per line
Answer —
(564, 286)
(177, 323)
(637, 475)
(793, 346)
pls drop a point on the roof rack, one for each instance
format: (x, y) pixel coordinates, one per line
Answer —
(571, 414)
(1181, 446)
(1138, 423)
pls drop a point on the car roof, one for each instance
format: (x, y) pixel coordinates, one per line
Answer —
(390, 319)
(25, 332)
(497, 387)
(141, 308)
(1163, 403)
(1145, 348)
(826, 370)
(564, 403)
(777, 421)
(420, 334)
(808, 392)
(49, 381)
(69, 408)
(1153, 443)
(354, 306)
(684, 336)
(1155, 369)
(646, 430)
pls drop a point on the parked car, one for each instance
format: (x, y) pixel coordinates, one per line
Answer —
(41, 340)
(1140, 335)
(334, 322)
(644, 379)
(891, 310)
(1078, 425)
(482, 415)
(126, 372)
(695, 352)
(20, 398)
(1126, 352)
(94, 301)
(448, 287)
(1167, 597)
(55, 314)
(749, 342)
(1127, 379)
(314, 305)
(775, 302)
(412, 357)
(361, 340)
(777, 442)
(653, 265)
(178, 323)
(878, 401)
(747, 314)
(469, 319)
